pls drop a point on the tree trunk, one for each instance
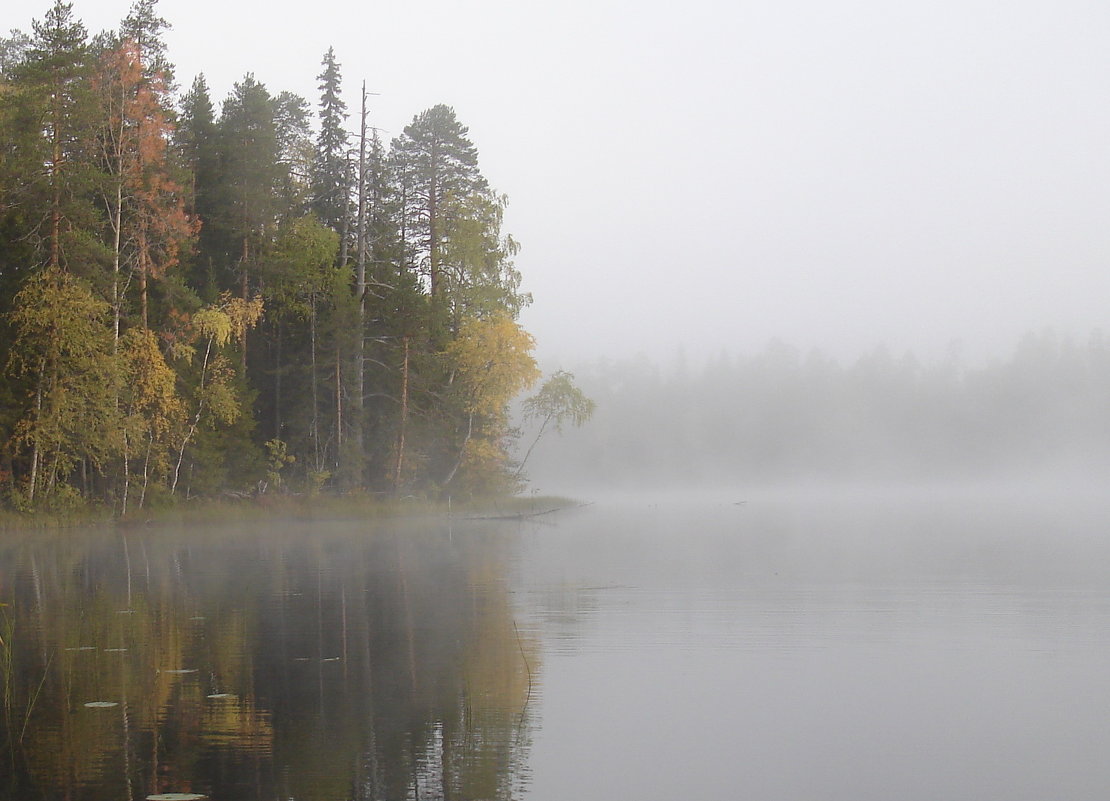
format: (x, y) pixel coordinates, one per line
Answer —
(196, 420)
(146, 469)
(38, 422)
(404, 416)
(528, 453)
(126, 474)
(244, 286)
(55, 177)
(315, 427)
(344, 228)
(360, 290)
(433, 235)
(117, 226)
(277, 383)
(462, 449)
(143, 270)
(338, 409)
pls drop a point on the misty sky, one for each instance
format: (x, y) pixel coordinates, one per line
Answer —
(835, 174)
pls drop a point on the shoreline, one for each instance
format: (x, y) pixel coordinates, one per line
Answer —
(300, 507)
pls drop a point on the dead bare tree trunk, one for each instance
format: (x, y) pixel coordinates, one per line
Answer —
(360, 290)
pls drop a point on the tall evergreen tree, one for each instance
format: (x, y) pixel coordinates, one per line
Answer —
(295, 152)
(437, 163)
(198, 149)
(249, 151)
(58, 102)
(331, 177)
(144, 27)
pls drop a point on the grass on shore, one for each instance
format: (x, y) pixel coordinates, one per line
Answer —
(272, 507)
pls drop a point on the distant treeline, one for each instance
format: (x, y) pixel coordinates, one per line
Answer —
(782, 415)
(196, 301)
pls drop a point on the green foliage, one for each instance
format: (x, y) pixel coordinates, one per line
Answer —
(68, 414)
(301, 267)
(433, 162)
(277, 458)
(192, 304)
(478, 273)
(331, 173)
(559, 401)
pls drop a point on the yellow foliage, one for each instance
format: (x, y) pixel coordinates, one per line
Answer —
(228, 319)
(243, 314)
(149, 383)
(493, 362)
(212, 323)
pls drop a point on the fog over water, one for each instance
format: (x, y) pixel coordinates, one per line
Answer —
(779, 417)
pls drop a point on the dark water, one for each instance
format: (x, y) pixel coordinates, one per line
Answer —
(785, 648)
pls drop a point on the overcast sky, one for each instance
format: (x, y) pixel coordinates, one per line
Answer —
(835, 173)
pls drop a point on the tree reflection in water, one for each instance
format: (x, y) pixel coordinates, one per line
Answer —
(326, 661)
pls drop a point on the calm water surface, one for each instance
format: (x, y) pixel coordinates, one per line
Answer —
(924, 647)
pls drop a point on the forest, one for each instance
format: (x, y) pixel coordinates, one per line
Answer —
(257, 297)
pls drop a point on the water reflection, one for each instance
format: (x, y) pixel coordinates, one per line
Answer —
(844, 650)
(331, 664)
(841, 650)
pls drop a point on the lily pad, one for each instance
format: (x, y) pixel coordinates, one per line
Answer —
(101, 704)
(221, 695)
(179, 671)
(82, 648)
(175, 797)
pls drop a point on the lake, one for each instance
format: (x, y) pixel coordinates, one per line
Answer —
(849, 646)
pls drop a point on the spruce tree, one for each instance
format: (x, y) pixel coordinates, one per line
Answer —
(330, 176)
(198, 150)
(249, 168)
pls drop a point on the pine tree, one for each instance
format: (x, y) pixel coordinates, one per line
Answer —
(144, 27)
(57, 101)
(435, 163)
(295, 152)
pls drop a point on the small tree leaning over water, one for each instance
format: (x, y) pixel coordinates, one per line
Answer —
(559, 401)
